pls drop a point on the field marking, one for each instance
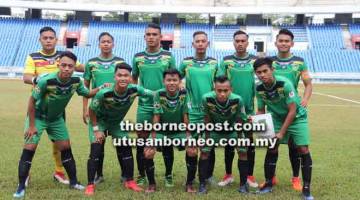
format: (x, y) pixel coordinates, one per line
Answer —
(336, 97)
(333, 105)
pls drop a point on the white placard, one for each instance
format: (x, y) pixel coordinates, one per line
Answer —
(267, 119)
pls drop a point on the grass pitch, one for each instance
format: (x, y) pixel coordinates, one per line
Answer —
(335, 139)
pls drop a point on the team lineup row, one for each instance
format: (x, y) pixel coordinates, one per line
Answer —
(211, 94)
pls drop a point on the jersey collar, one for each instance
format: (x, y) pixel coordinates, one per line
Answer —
(51, 54)
(285, 59)
(152, 54)
(241, 58)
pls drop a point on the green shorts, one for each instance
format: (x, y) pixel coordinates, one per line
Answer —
(196, 118)
(112, 129)
(144, 113)
(55, 129)
(173, 135)
(216, 136)
(298, 131)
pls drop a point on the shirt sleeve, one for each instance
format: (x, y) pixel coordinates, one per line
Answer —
(303, 67)
(81, 90)
(135, 68)
(172, 62)
(221, 69)
(87, 73)
(185, 106)
(40, 89)
(157, 106)
(29, 66)
(182, 69)
(144, 92)
(97, 102)
(260, 101)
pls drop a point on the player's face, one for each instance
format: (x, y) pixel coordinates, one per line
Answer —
(222, 90)
(265, 74)
(152, 37)
(66, 67)
(283, 43)
(200, 43)
(122, 78)
(241, 43)
(48, 40)
(172, 82)
(106, 44)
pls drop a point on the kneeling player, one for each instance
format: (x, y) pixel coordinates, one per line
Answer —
(106, 112)
(45, 112)
(290, 121)
(170, 106)
(219, 106)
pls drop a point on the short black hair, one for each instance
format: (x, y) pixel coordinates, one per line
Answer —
(171, 71)
(285, 31)
(263, 61)
(221, 79)
(199, 33)
(47, 28)
(240, 32)
(107, 34)
(155, 26)
(68, 54)
(123, 65)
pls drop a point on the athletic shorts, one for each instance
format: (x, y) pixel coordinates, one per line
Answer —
(298, 131)
(56, 130)
(112, 129)
(217, 136)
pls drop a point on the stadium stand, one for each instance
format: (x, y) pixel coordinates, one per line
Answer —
(320, 35)
(324, 56)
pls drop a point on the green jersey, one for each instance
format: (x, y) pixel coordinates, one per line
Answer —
(149, 67)
(199, 76)
(240, 71)
(290, 68)
(170, 109)
(112, 107)
(99, 70)
(52, 95)
(278, 97)
(231, 111)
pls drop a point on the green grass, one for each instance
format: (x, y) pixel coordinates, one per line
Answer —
(335, 150)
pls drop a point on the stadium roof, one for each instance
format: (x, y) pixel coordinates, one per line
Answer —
(107, 7)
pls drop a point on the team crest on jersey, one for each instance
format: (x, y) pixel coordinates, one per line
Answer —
(291, 94)
(156, 105)
(96, 102)
(37, 89)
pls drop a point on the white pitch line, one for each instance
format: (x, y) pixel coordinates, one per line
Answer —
(335, 97)
(333, 105)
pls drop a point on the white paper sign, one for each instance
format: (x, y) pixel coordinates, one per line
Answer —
(267, 120)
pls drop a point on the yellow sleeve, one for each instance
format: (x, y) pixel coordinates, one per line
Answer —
(29, 66)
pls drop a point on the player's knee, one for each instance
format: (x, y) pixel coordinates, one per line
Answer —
(303, 150)
(31, 147)
(149, 152)
(142, 134)
(204, 155)
(191, 152)
(242, 155)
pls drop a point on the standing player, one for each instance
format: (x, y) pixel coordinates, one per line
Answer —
(279, 97)
(199, 72)
(220, 106)
(170, 106)
(43, 62)
(148, 67)
(45, 112)
(107, 110)
(100, 70)
(292, 67)
(238, 68)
